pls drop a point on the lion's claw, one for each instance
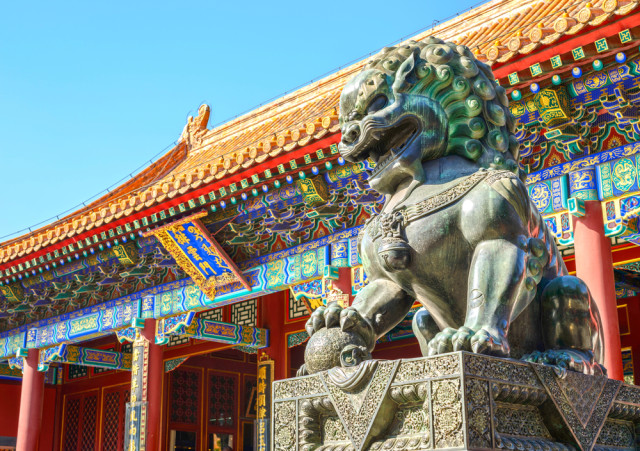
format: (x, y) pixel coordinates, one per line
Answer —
(481, 341)
(567, 359)
(333, 316)
(302, 371)
(349, 318)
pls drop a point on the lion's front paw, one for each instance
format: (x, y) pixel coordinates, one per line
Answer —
(321, 317)
(563, 360)
(481, 341)
(352, 321)
(302, 371)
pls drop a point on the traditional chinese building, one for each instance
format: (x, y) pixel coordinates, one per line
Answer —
(156, 317)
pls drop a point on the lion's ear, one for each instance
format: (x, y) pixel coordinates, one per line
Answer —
(405, 75)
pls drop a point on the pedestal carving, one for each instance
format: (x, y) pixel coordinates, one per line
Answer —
(454, 401)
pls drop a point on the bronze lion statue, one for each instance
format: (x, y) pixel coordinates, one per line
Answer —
(457, 232)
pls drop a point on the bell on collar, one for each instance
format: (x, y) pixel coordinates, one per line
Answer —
(395, 253)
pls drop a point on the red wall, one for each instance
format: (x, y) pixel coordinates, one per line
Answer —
(628, 314)
(10, 396)
(10, 407)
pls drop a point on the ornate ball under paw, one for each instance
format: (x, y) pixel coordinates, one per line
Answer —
(325, 347)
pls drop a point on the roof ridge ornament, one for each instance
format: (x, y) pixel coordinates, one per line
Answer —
(196, 129)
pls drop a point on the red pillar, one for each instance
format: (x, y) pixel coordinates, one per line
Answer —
(31, 400)
(343, 283)
(272, 312)
(594, 265)
(155, 374)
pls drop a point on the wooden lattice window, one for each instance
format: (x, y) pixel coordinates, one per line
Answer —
(185, 396)
(223, 396)
(212, 315)
(244, 313)
(297, 308)
(77, 372)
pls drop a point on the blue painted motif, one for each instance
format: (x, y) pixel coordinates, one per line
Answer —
(629, 204)
(315, 244)
(340, 254)
(582, 184)
(591, 160)
(354, 255)
(623, 174)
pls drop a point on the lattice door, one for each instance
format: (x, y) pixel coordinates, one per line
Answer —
(80, 416)
(223, 401)
(185, 397)
(71, 423)
(114, 406)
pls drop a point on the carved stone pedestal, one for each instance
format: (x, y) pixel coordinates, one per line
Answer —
(454, 401)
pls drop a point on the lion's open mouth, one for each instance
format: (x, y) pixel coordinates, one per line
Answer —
(383, 145)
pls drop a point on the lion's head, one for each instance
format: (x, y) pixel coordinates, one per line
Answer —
(423, 101)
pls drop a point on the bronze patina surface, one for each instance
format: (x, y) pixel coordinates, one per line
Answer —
(459, 401)
(457, 232)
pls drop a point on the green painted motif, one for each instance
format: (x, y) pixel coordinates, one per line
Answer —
(578, 53)
(275, 274)
(535, 69)
(624, 174)
(625, 36)
(540, 195)
(605, 180)
(556, 61)
(601, 45)
(309, 264)
(81, 326)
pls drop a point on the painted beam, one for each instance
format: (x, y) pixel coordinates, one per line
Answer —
(187, 325)
(271, 273)
(75, 355)
(9, 345)
(8, 372)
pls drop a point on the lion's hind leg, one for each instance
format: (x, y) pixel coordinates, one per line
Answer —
(424, 328)
(571, 327)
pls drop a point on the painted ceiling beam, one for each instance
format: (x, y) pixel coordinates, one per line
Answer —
(186, 325)
(75, 355)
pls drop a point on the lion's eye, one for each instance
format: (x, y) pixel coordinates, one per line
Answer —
(378, 103)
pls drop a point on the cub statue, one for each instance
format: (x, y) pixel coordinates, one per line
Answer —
(457, 232)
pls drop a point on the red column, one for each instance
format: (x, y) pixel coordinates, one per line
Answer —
(155, 374)
(31, 400)
(272, 312)
(594, 265)
(343, 283)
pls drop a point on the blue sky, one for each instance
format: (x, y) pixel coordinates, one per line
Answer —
(91, 91)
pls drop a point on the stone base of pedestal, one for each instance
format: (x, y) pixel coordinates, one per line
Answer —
(459, 400)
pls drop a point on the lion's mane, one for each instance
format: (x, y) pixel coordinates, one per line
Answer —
(480, 124)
